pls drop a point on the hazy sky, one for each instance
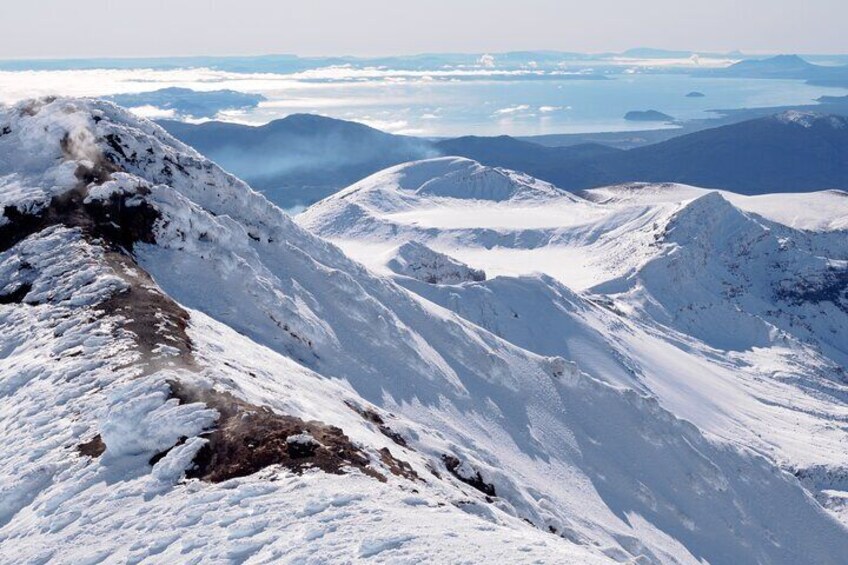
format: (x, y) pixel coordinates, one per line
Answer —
(85, 28)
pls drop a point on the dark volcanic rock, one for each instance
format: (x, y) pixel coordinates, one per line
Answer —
(471, 477)
(92, 448)
(16, 296)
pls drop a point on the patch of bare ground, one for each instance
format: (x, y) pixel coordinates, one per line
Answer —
(249, 438)
(158, 324)
(397, 466)
(93, 447)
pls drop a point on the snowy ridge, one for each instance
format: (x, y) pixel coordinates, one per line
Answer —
(811, 119)
(199, 323)
(64, 391)
(723, 264)
(811, 211)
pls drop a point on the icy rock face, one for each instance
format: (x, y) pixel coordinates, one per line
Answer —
(40, 272)
(420, 262)
(165, 328)
(48, 141)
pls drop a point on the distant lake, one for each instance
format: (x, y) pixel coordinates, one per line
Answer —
(433, 104)
(534, 107)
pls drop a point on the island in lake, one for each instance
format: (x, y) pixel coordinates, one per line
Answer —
(647, 116)
(695, 94)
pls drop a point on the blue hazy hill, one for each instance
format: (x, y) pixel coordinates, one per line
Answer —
(303, 158)
(186, 102)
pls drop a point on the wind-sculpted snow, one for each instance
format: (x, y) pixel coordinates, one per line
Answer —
(461, 446)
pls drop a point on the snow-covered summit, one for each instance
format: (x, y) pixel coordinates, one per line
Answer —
(710, 216)
(457, 177)
(454, 193)
(737, 280)
(454, 178)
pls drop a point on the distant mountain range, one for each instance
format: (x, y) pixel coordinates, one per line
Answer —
(788, 67)
(287, 63)
(780, 66)
(787, 152)
(304, 158)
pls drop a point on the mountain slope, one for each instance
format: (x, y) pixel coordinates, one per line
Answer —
(789, 152)
(301, 158)
(735, 321)
(175, 348)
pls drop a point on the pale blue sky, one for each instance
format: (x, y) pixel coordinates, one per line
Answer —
(96, 28)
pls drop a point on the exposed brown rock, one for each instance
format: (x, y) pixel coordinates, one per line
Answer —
(119, 226)
(371, 416)
(92, 448)
(398, 467)
(152, 317)
(249, 438)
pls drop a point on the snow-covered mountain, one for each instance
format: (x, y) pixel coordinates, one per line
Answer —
(730, 309)
(188, 375)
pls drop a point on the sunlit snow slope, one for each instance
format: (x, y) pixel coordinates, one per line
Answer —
(187, 375)
(731, 310)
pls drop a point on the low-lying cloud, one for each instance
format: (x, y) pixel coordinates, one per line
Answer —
(512, 110)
